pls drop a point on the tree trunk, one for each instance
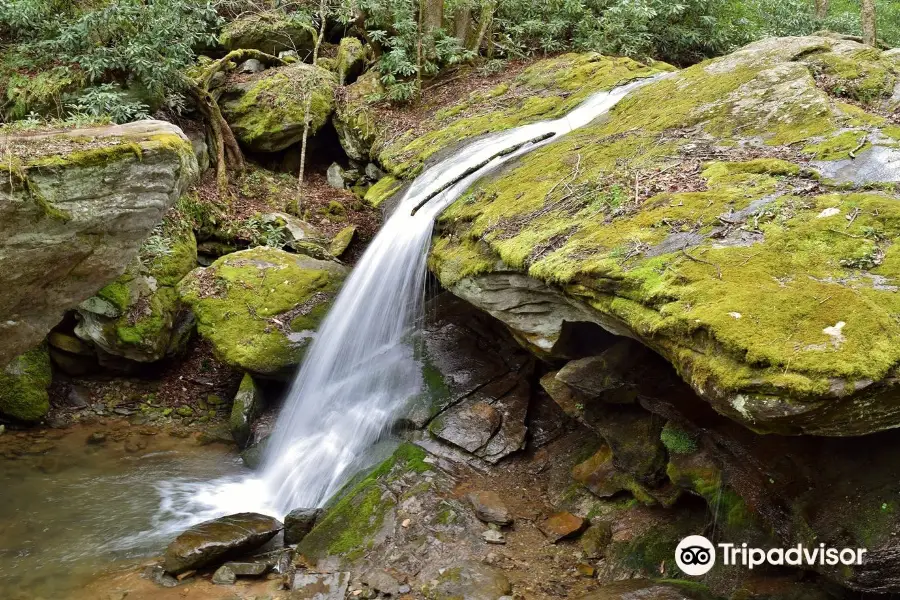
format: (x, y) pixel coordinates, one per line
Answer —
(485, 19)
(432, 15)
(323, 16)
(462, 26)
(870, 32)
(821, 9)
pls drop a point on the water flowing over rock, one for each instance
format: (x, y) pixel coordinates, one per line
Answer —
(218, 539)
(651, 224)
(74, 210)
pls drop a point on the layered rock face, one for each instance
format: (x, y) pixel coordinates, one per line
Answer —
(733, 217)
(75, 207)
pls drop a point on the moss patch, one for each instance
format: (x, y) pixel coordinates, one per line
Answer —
(23, 385)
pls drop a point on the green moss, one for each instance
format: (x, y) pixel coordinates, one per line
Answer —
(702, 477)
(862, 75)
(23, 385)
(350, 58)
(546, 90)
(92, 157)
(240, 300)
(385, 188)
(840, 146)
(270, 31)
(42, 93)
(118, 292)
(677, 440)
(348, 527)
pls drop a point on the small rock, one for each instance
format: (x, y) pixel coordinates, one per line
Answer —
(186, 574)
(595, 539)
(98, 437)
(489, 508)
(381, 581)
(251, 65)
(340, 241)
(403, 589)
(224, 576)
(405, 523)
(373, 172)
(133, 445)
(492, 536)
(335, 176)
(78, 396)
(585, 570)
(247, 407)
(184, 411)
(158, 575)
(298, 523)
(248, 569)
(562, 525)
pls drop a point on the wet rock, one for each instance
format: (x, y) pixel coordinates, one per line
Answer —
(224, 576)
(489, 508)
(97, 438)
(469, 580)
(252, 457)
(608, 376)
(298, 523)
(69, 343)
(633, 435)
(23, 385)
(158, 575)
(260, 307)
(247, 569)
(561, 526)
(104, 190)
(320, 586)
(247, 406)
(214, 540)
(469, 427)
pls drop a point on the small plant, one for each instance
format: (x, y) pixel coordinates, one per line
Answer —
(264, 233)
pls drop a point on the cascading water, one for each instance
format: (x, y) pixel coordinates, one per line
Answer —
(360, 372)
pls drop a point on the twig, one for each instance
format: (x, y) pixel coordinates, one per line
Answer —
(852, 216)
(853, 152)
(701, 261)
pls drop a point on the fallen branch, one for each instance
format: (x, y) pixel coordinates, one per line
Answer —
(703, 262)
(481, 165)
(865, 138)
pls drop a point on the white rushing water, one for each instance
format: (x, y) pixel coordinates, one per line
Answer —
(360, 372)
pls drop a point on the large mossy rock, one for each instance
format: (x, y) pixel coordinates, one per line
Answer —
(709, 217)
(260, 307)
(269, 31)
(23, 385)
(218, 540)
(548, 89)
(75, 207)
(267, 111)
(139, 315)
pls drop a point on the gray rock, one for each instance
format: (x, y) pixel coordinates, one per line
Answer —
(224, 576)
(373, 172)
(158, 575)
(489, 508)
(468, 426)
(381, 581)
(252, 457)
(492, 536)
(470, 580)
(298, 523)
(335, 176)
(251, 65)
(320, 586)
(607, 376)
(97, 211)
(247, 406)
(247, 569)
(294, 229)
(209, 541)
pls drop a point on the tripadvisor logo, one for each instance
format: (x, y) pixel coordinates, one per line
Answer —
(696, 555)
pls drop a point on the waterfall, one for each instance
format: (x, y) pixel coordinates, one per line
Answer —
(360, 372)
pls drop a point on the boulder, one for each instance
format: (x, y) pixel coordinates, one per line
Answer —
(75, 208)
(246, 408)
(260, 307)
(224, 576)
(139, 315)
(562, 525)
(342, 240)
(23, 385)
(354, 121)
(298, 523)
(351, 60)
(267, 111)
(271, 32)
(216, 540)
(489, 508)
(810, 346)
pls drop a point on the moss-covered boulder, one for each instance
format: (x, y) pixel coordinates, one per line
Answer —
(711, 216)
(548, 89)
(247, 406)
(269, 31)
(267, 111)
(260, 307)
(75, 208)
(139, 315)
(23, 386)
(350, 60)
